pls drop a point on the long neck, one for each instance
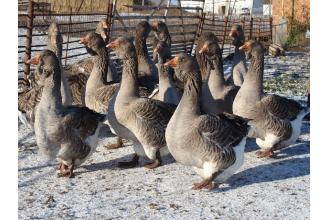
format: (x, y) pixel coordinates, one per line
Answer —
(98, 72)
(190, 101)
(51, 96)
(141, 47)
(253, 83)
(239, 56)
(129, 83)
(216, 79)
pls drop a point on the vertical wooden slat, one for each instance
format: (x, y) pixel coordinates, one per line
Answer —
(29, 34)
(109, 16)
(271, 29)
(224, 30)
(183, 29)
(68, 34)
(251, 28)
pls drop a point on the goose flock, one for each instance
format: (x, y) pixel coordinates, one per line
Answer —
(182, 105)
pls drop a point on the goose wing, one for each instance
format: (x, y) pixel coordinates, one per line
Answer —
(82, 119)
(152, 117)
(223, 130)
(220, 133)
(104, 95)
(281, 107)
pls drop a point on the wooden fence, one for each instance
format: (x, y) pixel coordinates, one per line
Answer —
(185, 24)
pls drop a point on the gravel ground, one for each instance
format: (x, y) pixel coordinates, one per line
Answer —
(275, 188)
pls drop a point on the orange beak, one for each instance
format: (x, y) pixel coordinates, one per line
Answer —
(103, 35)
(104, 24)
(203, 49)
(233, 34)
(34, 60)
(154, 26)
(157, 48)
(245, 47)
(173, 62)
(84, 40)
(113, 44)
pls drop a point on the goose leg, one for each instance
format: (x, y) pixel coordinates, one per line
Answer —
(129, 164)
(207, 183)
(66, 171)
(265, 153)
(119, 144)
(156, 163)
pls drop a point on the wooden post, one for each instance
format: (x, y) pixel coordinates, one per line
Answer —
(251, 29)
(29, 34)
(243, 23)
(271, 29)
(224, 30)
(69, 32)
(259, 30)
(109, 16)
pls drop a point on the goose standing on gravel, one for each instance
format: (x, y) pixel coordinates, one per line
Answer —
(212, 144)
(67, 133)
(147, 71)
(239, 68)
(166, 90)
(217, 95)
(162, 34)
(276, 121)
(29, 98)
(141, 120)
(98, 93)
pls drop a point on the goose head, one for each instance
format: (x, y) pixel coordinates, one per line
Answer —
(143, 29)
(252, 48)
(211, 50)
(123, 47)
(237, 35)
(185, 67)
(55, 39)
(163, 50)
(159, 27)
(47, 64)
(102, 29)
(93, 42)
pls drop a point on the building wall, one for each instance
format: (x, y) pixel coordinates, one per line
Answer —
(284, 8)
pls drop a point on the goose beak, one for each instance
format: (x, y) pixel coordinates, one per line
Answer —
(103, 35)
(112, 44)
(34, 60)
(158, 47)
(204, 49)
(245, 47)
(154, 26)
(173, 62)
(83, 40)
(233, 34)
(104, 24)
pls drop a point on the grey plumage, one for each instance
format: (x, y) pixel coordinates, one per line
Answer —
(62, 132)
(212, 144)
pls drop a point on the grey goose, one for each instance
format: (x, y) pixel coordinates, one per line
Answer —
(212, 144)
(30, 96)
(217, 94)
(166, 91)
(162, 34)
(239, 67)
(141, 120)
(276, 121)
(67, 133)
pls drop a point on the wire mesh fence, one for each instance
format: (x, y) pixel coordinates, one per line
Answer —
(76, 18)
